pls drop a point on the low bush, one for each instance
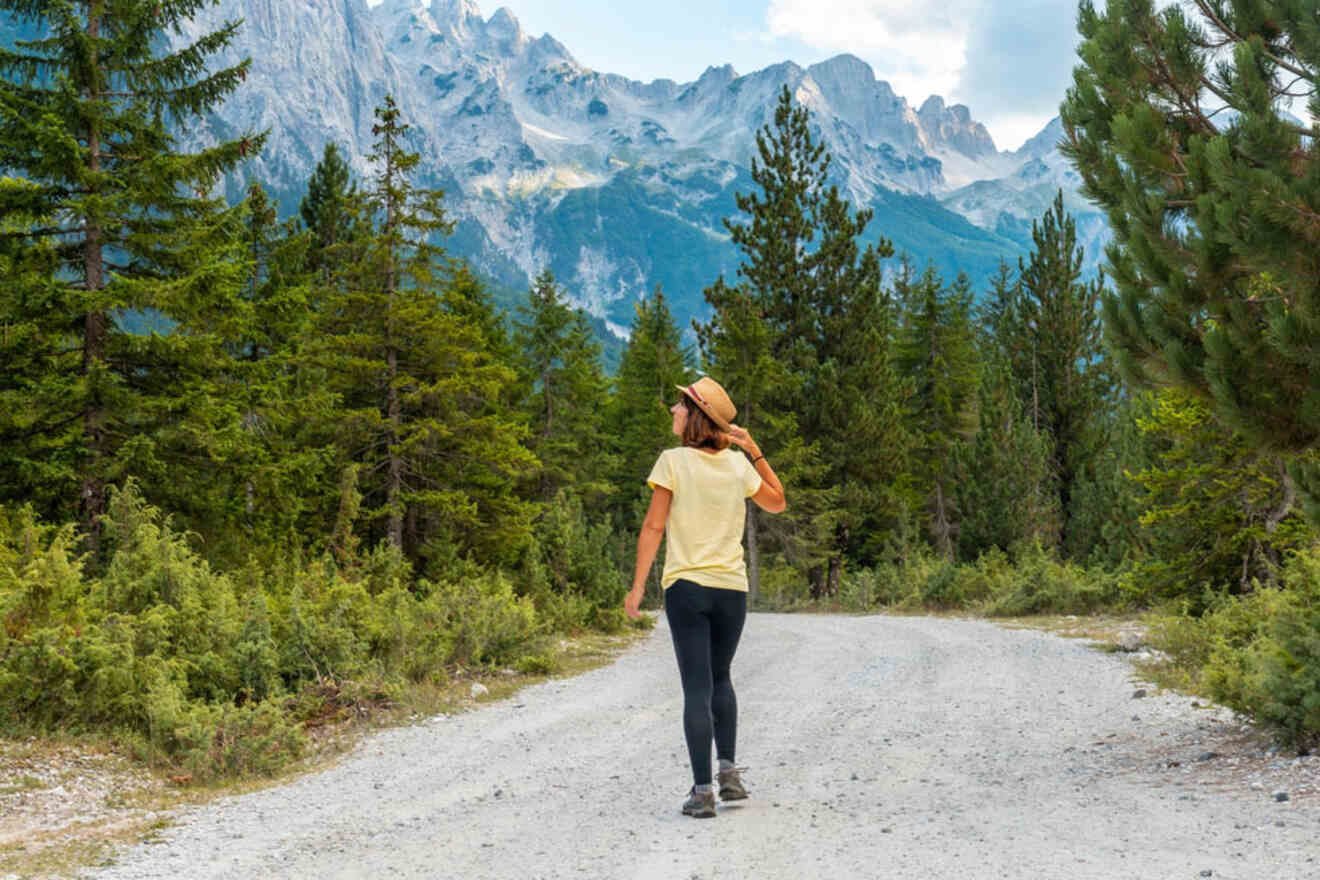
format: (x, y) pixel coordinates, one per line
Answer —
(1257, 653)
(1037, 583)
(211, 673)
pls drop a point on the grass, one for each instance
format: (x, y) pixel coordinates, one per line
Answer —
(134, 803)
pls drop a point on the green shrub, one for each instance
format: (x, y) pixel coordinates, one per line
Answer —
(569, 570)
(1040, 584)
(1264, 659)
(255, 739)
(535, 664)
(491, 625)
(782, 586)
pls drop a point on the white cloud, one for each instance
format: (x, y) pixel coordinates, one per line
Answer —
(920, 49)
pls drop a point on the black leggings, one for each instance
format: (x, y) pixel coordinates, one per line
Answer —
(706, 624)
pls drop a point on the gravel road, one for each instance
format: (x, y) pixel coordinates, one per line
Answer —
(876, 747)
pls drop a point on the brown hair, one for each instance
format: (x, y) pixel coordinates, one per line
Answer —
(700, 431)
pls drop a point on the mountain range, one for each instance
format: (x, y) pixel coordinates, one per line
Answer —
(616, 185)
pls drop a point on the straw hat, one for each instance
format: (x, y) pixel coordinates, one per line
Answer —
(713, 400)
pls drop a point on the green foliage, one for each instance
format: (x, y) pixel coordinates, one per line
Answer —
(1217, 515)
(211, 672)
(1005, 482)
(937, 355)
(570, 572)
(1213, 258)
(1257, 653)
(118, 221)
(565, 395)
(1038, 583)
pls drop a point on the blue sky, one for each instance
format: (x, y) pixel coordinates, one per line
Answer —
(1010, 61)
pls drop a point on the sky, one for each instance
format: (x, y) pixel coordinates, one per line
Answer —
(1009, 61)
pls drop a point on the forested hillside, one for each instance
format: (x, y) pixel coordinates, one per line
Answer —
(249, 464)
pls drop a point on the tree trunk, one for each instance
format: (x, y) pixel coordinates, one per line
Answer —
(941, 530)
(836, 568)
(396, 462)
(753, 555)
(95, 330)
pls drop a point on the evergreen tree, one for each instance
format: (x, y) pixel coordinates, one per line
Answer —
(937, 354)
(1004, 475)
(278, 464)
(819, 296)
(1107, 504)
(736, 346)
(83, 119)
(1046, 325)
(566, 394)
(1214, 252)
(327, 209)
(1217, 514)
(653, 362)
(419, 414)
(1054, 343)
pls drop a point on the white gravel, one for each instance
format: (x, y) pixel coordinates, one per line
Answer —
(878, 747)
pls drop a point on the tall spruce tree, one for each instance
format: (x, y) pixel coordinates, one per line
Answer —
(937, 354)
(653, 362)
(1215, 263)
(278, 471)
(566, 394)
(85, 116)
(820, 298)
(1049, 327)
(327, 208)
(419, 415)
(736, 346)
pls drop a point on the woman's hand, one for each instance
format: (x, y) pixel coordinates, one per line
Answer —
(632, 603)
(743, 440)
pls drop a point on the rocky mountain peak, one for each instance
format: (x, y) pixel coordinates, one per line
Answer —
(457, 12)
(1045, 142)
(952, 127)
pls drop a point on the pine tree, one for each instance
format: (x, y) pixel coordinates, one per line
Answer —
(278, 463)
(1004, 474)
(654, 361)
(820, 298)
(736, 347)
(419, 414)
(84, 112)
(937, 354)
(327, 208)
(1214, 254)
(566, 394)
(1050, 330)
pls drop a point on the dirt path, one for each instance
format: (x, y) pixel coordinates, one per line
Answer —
(877, 747)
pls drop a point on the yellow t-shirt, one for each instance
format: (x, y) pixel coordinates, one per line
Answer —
(705, 527)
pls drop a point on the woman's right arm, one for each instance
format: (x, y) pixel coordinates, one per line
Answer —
(648, 543)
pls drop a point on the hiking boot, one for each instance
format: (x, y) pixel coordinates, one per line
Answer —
(700, 804)
(731, 787)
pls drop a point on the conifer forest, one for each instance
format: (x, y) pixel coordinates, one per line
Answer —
(254, 466)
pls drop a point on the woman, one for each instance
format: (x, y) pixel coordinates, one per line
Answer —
(699, 490)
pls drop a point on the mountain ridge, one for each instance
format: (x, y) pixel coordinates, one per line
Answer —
(615, 184)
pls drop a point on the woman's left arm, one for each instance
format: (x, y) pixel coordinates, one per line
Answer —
(648, 543)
